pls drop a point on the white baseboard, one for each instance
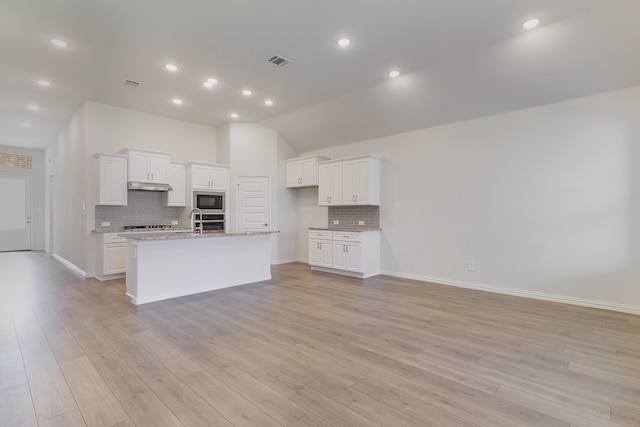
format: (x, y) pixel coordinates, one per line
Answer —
(283, 261)
(520, 293)
(70, 266)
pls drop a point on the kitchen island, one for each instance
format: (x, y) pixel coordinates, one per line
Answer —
(169, 265)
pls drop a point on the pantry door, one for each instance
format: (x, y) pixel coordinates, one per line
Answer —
(254, 203)
(15, 213)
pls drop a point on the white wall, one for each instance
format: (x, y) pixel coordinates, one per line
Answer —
(37, 174)
(287, 215)
(69, 192)
(111, 129)
(545, 200)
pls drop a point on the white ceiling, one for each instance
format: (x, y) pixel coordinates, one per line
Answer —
(459, 59)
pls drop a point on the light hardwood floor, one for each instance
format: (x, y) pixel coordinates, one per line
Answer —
(306, 349)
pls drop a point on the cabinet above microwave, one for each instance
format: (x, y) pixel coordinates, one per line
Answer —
(208, 176)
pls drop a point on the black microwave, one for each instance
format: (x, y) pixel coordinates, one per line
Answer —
(208, 201)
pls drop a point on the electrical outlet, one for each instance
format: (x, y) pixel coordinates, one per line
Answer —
(174, 222)
(360, 222)
(472, 265)
(396, 205)
(106, 223)
(336, 222)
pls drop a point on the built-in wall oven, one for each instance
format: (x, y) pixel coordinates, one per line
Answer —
(211, 216)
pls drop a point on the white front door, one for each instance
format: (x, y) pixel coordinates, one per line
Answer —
(254, 203)
(15, 213)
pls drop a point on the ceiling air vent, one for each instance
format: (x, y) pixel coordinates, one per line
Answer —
(131, 83)
(279, 61)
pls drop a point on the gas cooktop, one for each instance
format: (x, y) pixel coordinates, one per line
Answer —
(147, 227)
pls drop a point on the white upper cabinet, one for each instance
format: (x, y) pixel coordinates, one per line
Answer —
(148, 166)
(177, 180)
(353, 181)
(111, 179)
(361, 181)
(302, 171)
(330, 183)
(203, 176)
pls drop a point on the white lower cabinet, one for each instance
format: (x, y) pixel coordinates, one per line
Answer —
(111, 259)
(321, 248)
(345, 252)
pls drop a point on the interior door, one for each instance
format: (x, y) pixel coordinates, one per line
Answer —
(254, 203)
(15, 213)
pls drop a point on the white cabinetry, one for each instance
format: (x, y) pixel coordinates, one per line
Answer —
(203, 176)
(302, 171)
(111, 179)
(347, 251)
(350, 253)
(111, 259)
(321, 248)
(148, 166)
(353, 181)
(177, 180)
(330, 184)
(361, 181)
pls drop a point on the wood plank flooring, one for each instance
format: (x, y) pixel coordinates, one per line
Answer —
(306, 349)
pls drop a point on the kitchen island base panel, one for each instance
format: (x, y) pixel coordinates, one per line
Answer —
(163, 269)
(344, 272)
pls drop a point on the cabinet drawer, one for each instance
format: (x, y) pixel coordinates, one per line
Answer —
(114, 238)
(321, 234)
(346, 236)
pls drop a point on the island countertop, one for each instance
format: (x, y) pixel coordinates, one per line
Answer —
(179, 235)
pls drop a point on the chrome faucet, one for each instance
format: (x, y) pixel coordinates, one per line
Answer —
(191, 216)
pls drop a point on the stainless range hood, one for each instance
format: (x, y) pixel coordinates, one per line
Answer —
(148, 186)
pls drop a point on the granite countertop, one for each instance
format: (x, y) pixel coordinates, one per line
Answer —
(181, 235)
(352, 230)
(121, 230)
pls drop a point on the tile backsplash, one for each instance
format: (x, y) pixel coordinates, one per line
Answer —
(143, 208)
(349, 217)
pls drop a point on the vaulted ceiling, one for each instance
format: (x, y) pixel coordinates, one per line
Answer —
(458, 59)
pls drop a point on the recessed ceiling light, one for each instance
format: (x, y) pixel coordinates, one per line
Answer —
(177, 101)
(268, 102)
(209, 83)
(171, 67)
(247, 92)
(531, 23)
(44, 83)
(343, 42)
(393, 74)
(33, 107)
(26, 124)
(59, 43)
(234, 115)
